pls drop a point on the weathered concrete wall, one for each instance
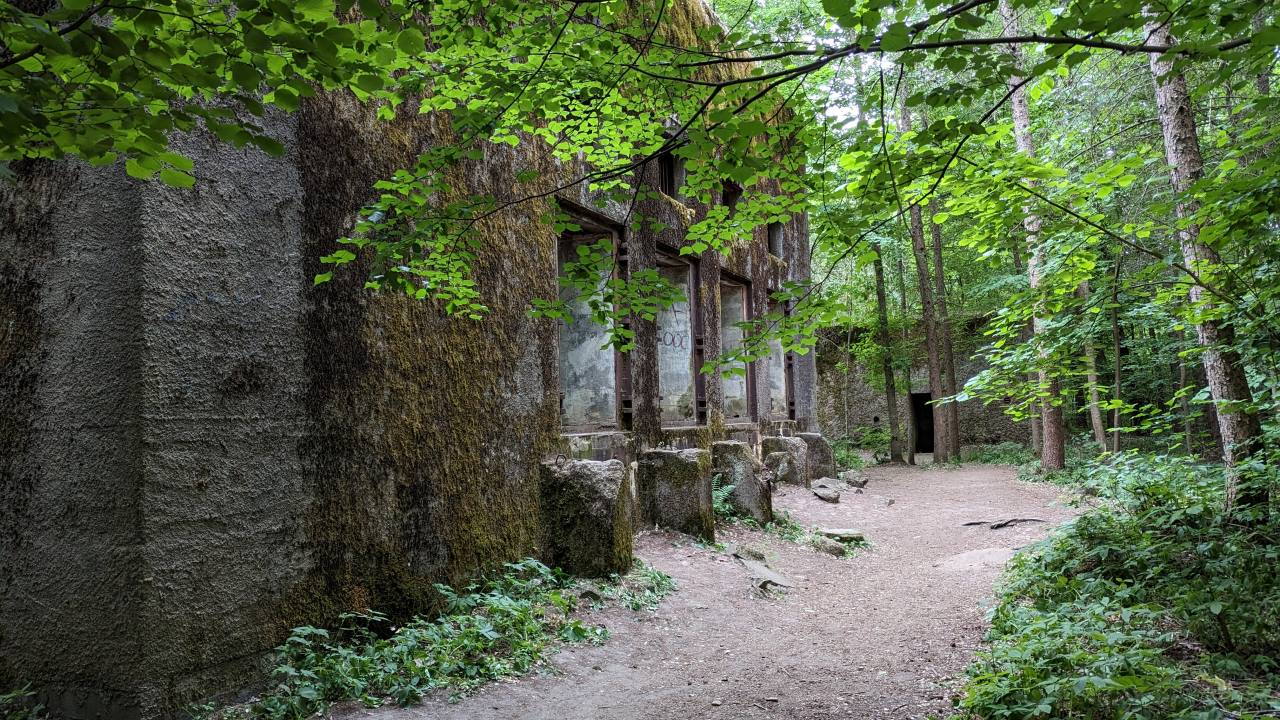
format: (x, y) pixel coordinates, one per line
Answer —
(203, 450)
(847, 400)
(71, 446)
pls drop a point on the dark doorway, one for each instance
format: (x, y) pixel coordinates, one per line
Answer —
(922, 415)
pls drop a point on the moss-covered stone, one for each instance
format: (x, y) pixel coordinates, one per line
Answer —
(674, 489)
(586, 516)
(822, 459)
(795, 471)
(736, 464)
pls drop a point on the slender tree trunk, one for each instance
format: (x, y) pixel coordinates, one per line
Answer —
(1184, 403)
(1091, 374)
(1241, 431)
(928, 318)
(1263, 80)
(906, 380)
(886, 349)
(1116, 364)
(1053, 434)
(1033, 422)
(946, 356)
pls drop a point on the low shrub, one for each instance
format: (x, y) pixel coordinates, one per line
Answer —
(502, 626)
(1005, 453)
(1158, 604)
(20, 704)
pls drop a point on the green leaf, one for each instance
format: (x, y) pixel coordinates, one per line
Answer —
(411, 42)
(176, 178)
(369, 83)
(895, 38)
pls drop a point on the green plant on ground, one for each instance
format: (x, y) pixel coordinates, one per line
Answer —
(20, 704)
(848, 450)
(643, 588)
(1158, 604)
(720, 504)
(499, 627)
(784, 526)
(1005, 453)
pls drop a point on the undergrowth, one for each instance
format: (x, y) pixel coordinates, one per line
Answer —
(641, 589)
(1158, 604)
(501, 626)
(1005, 453)
(848, 450)
(20, 704)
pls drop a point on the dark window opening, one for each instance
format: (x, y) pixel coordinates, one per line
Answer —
(922, 420)
(730, 194)
(670, 174)
(775, 239)
(875, 419)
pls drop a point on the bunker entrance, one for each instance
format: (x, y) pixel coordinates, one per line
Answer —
(922, 419)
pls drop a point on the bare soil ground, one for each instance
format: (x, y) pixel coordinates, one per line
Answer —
(884, 635)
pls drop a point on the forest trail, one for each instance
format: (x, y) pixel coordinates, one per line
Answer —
(883, 635)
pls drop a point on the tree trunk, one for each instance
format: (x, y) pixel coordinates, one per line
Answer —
(1091, 373)
(890, 385)
(1241, 431)
(928, 318)
(946, 356)
(1053, 434)
(1116, 344)
(906, 380)
(1033, 422)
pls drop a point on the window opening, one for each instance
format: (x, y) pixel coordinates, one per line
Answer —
(588, 365)
(678, 338)
(775, 239)
(735, 308)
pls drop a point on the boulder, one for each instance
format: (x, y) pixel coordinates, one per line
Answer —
(844, 535)
(822, 459)
(827, 545)
(828, 494)
(736, 464)
(796, 470)
(853, 478)
(763, 576)
(586, 516)
(674, 491)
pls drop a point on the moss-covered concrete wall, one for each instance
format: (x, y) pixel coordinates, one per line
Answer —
(203, 450)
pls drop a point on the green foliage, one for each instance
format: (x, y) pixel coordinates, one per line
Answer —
(20, 704)
(720, 505)
(110, 82)
(499, 627)
(1156, 605)
(863, 439)
(785, 527)
(641, 589)
(1005, 453)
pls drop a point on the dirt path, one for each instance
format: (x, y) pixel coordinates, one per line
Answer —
(879, 636)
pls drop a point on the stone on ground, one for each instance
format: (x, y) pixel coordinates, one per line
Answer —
(822, 459)
(796, 470)
(674, 491)
(763, 576)
(736, 464)
(844, 535)
(586, 513)
(853, 478)
(826, 493)
(828, 546)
